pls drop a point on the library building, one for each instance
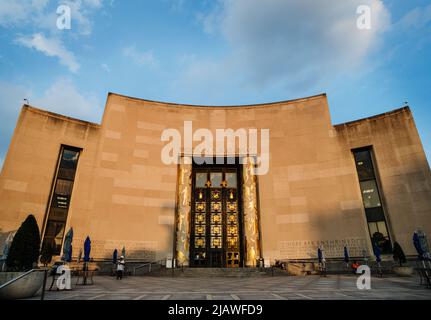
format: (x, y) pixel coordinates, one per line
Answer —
(217, 186)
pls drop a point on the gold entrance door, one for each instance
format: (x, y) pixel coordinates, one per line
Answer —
(216, 222)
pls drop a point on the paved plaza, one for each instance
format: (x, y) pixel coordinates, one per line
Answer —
(333, 287)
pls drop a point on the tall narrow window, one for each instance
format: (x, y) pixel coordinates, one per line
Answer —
(60, 198)
(377, 225)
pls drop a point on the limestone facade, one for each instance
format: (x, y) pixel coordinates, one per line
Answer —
(123, 195)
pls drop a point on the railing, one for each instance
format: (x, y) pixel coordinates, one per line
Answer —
(331, 265)
(160, 263)
(25, 275)
(328, 261)
(149, 265)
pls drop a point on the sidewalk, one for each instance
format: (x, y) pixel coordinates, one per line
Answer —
(333, 287)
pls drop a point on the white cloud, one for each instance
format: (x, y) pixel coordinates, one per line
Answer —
(140, 58)
(297, 43)
(41, 15)
(20, 12)
(52, 47)
(63, 97)
(81, 12)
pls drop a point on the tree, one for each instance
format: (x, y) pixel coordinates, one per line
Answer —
(399, 254)
(46, 254)
(24, 250)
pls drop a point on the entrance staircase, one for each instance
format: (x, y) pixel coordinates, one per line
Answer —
(293, 268)
(225, 272)
(215, 272)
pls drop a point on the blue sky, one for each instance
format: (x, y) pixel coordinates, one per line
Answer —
(215, 52)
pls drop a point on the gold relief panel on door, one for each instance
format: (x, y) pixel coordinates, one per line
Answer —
(232, 242)
(200, 230)
(200, 242)
(215, 194)
(216, 218)
(216, 231)
(232, 218)
(216, 243)
(200, 206)
(216, 206)
(232, 230)
(200, 218)
(231, 206)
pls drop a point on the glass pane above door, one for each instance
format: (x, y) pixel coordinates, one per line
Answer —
(216, 179)
(201, 179)
(231, 180)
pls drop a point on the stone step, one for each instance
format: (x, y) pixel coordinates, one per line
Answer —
(216, 272)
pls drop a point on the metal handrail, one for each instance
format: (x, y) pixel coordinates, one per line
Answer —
(149, 264)
(45, 270)
(316, 260)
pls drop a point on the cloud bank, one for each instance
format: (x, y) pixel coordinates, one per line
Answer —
(64, 98)
(61, 97)
(40, 15)
(295, 43)
(52, 47)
